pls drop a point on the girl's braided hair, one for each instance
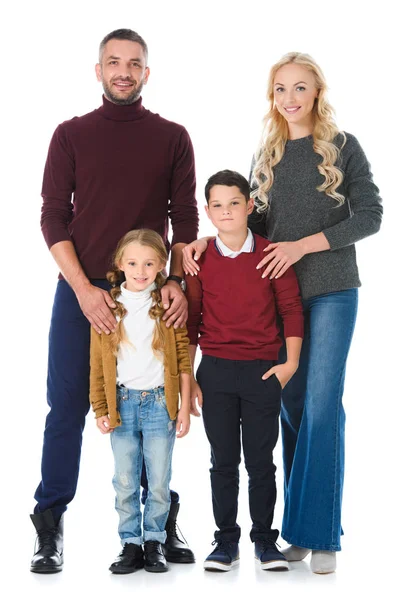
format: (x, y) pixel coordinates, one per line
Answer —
(144, 237)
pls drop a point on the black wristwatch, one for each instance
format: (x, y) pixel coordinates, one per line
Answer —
(179, 280)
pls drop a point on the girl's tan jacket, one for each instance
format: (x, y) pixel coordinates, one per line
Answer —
(103, 372)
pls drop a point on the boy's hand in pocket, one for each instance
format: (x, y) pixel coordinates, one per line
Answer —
(283, 372)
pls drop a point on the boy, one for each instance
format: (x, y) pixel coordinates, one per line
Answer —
(232, 316)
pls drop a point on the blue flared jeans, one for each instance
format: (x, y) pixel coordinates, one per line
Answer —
(313, 424)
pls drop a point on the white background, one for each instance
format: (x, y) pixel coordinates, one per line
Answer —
(209, 65)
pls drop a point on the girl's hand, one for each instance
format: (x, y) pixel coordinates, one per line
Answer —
(283, 372)
(196, 248)
(182, 423)
(103, 423)
(280, 257)
(195, 392)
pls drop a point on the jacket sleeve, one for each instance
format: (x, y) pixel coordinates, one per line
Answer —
(97, 392)
(182, 350)
(361, 196)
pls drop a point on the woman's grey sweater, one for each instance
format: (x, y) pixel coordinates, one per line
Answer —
(298, 210)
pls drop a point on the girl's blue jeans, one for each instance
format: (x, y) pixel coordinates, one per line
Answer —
(148, 433)
(313, 424)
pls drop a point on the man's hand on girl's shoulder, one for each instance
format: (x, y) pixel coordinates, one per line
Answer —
(175, 302)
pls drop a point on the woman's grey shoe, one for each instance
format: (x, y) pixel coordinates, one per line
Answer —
(295, 553)
(323, 562)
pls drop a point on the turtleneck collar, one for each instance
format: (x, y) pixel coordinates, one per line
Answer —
(116, 112)
(143, 295)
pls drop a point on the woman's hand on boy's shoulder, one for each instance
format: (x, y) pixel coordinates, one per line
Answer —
(283, 372)
(182, 422)
(195, 393)
(103, 423)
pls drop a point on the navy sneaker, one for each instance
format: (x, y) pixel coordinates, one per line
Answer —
(224, 557)
(269, 557)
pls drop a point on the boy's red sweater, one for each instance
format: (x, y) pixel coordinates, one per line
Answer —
(233, 311)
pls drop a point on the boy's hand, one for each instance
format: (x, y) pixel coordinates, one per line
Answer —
(182, 423)
(103, 423)
(283, 372)
(195, 392)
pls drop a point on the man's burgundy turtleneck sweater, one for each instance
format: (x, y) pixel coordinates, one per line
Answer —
(126, 168)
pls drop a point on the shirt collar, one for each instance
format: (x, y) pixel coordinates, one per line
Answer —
(142, 295)
(248, 246)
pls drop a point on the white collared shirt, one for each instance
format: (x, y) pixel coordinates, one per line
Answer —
(248, 246)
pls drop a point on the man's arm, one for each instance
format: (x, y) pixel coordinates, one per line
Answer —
(184, 217)
(95, 303)
(57, 213)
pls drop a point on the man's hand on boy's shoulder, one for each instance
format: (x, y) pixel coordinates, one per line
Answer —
(195, 393)
(283, 372)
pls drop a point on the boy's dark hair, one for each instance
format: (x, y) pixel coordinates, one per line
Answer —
(123, 34)
(229, 178)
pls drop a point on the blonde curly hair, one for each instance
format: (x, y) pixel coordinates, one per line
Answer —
(144, 237)
(275, 133)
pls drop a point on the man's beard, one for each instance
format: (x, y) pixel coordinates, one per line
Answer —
(133, 96)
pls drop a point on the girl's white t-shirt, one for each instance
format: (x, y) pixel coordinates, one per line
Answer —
(137, 366)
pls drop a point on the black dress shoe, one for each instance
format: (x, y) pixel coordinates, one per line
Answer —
(130, 559)
(48, 557)
(175, 549)
(154, 559)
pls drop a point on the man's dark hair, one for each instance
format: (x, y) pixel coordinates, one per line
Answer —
(229, 178)
(123, 34)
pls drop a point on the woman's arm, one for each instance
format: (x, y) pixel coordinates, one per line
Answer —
(362, 196)
(365, 206)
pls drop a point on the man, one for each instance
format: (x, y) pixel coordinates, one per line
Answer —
(125, 168)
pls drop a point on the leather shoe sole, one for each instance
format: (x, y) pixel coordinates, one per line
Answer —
(46, 569)
(156, 568)
(124, 570)
(184, 558)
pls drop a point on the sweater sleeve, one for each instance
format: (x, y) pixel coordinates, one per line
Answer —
(182, 350)
(182, 208)
(58, 187)
(97, 392)
(362, 197)
(194, 295)
(288, 303)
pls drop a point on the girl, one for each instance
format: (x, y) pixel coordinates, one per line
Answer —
(316, 198)
(135, 378)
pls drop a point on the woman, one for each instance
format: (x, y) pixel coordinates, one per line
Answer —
(316, 198)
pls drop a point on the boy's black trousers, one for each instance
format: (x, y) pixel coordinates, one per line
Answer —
(240, 406)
